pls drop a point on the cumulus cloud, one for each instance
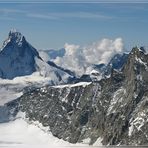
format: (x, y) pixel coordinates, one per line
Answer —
(73, 59)
(79, 58)
(102, 51)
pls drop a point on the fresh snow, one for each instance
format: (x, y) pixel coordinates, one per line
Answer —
(25, 80)
(64, 99)
(95, 75)
(136, 123)
(84, 84)
(86, 141)
(142, 63)
(94, 71)
(19, 133)
(139, 77)
(135, 95)
(8, 95)
(5, 43)
(53, 73)
(117, 98)
(144, 51)
(130, 130)
(12, 89)
(98, 142)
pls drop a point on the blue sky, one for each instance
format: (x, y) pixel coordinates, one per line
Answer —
(51, 25)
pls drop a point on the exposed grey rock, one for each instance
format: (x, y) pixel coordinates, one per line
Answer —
(115, 108)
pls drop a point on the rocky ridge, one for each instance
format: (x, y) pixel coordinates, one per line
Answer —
(113, 109)
(20, 58)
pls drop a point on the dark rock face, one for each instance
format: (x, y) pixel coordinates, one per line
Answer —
(114, 108)
(58, 67)
(17, 57)
(118, 61)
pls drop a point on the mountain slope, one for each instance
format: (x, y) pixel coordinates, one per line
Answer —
(19, 58)
(113, 109)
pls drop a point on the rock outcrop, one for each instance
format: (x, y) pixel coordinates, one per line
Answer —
(114, 108)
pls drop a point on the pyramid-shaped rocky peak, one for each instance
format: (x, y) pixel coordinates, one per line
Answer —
(16, 37)
(138, 50)
(17, 56)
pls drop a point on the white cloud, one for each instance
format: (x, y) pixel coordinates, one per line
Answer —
(55, 15)
(10, 11)
(41, 16)
(62, 15)
(73, 58)
(79, 58)
(102, 51)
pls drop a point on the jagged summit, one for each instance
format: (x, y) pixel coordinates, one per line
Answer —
(16, 36)
(16, 42)
(17, 56)
(113, 110)
(144, 49)
(137, 49)
(20, 58)
(14, 30)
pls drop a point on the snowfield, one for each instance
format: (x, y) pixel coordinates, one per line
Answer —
(84, 84)
(8, 95)
(12, 89)
(20, 134)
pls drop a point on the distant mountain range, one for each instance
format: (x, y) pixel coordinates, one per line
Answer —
(20, 58)
(112, 110)
(109, 103)
(53, 54)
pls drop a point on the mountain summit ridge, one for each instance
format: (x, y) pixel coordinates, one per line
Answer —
(20, 58)
(17, 56)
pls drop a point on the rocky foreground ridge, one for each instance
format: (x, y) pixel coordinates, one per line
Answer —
(114, 109)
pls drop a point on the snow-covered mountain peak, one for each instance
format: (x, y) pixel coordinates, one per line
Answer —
(16, 37)
(14, 30)
(138, 50)
(19, 58)
(15, 34)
